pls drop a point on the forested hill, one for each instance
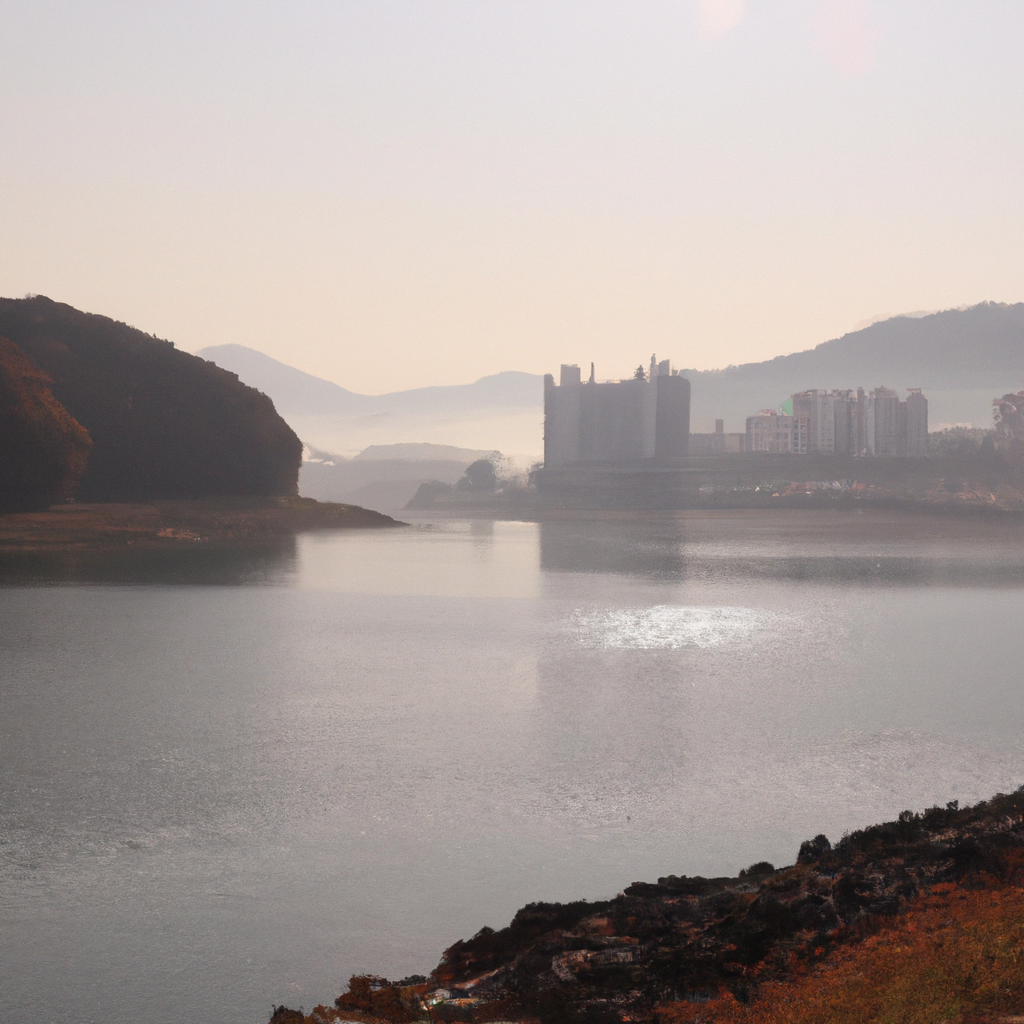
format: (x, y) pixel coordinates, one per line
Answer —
(43, 450)
(164, 423)
(963, 358)
(957, 348)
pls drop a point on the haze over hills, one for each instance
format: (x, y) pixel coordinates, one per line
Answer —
(382, 476)
(962, 358)
(502, 411)
(375, 450)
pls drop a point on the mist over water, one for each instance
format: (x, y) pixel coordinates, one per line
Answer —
(236, 780)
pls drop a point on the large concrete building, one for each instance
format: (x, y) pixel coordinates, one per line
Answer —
(835, 420)
(647, 417)
(893, 427)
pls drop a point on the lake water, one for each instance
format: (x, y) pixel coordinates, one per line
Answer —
(232, 779)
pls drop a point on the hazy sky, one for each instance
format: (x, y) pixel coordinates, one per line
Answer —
(391, 194)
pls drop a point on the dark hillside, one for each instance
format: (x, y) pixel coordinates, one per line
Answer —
(164, 423)
(43, 450)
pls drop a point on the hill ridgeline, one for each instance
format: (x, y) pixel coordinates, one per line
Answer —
(963, 358)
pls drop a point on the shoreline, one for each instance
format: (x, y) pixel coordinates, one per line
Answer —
(539, 512)
(922, 914)
(178, 522)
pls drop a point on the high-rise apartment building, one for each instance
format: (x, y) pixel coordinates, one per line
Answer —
(883, 423)
(855, 423)
(916, 423)
(833, 419)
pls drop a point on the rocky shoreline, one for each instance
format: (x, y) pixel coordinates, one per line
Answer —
(709, 949)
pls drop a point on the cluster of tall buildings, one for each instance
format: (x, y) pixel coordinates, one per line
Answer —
(875, 423)
(648, 417)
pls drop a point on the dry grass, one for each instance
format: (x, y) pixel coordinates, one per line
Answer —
(957, 956)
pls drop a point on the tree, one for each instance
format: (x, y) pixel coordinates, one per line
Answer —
(479, 477)
(1008, 413)
(814, 849)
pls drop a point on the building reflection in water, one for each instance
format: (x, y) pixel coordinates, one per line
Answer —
(742, 550)
(632, 547)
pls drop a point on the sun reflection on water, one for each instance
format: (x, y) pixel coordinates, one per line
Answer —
(664, 627)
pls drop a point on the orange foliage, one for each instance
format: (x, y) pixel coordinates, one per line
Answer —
(957, 956)
(44, 450)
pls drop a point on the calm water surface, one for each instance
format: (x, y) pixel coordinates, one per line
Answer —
(231, 779)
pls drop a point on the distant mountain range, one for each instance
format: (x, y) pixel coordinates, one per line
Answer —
(503, 411)
(294, 391)
(962, 358)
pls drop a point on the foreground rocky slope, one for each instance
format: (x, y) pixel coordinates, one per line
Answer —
(687, 949)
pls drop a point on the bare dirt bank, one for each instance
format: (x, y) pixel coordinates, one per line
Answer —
(172, 523)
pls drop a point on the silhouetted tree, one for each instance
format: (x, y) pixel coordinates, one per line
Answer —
(1008, 413)
(813, 849)
(479, 477)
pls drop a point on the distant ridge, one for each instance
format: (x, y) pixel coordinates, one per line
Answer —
(502, 411)
(294, 391)
(955, 348)
(419, 452)
(961, 357)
